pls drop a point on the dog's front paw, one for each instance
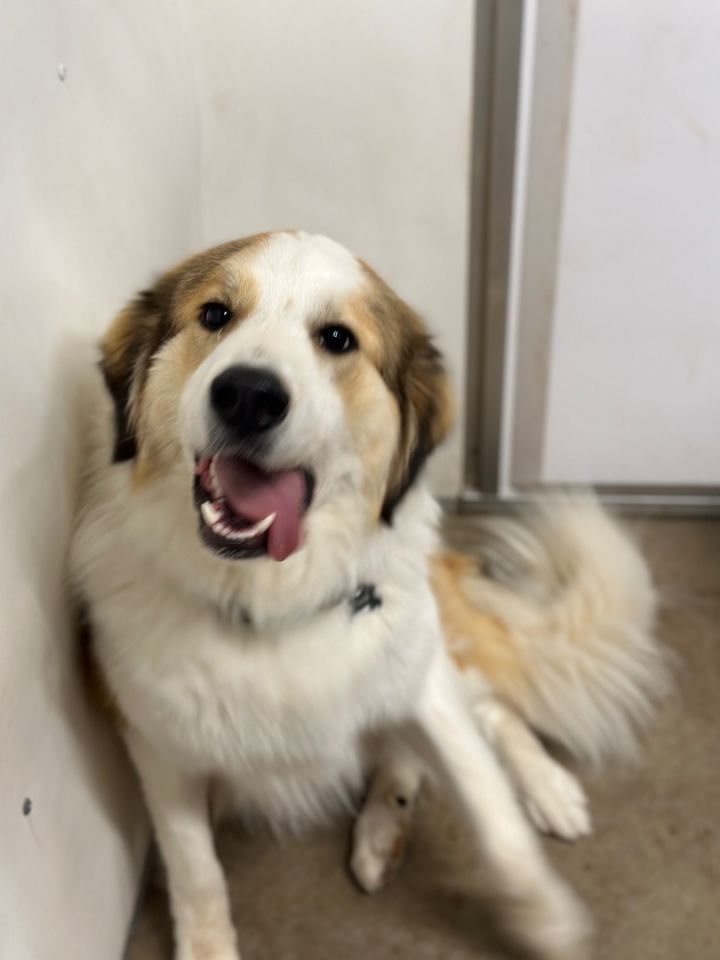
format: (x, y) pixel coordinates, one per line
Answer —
(379, 841)
(555, 801)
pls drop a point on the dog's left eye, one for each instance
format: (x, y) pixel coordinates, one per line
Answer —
(337, 339)
(214, 316)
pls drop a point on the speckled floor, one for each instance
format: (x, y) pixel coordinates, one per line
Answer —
(650, 873)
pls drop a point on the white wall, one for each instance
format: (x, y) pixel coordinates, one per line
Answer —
(352, 119)
(634, 392)
(96, 189)
(174, 125)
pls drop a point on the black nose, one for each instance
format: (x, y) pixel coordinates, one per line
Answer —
(249, 399)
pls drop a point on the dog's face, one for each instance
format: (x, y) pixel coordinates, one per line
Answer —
(275, 375)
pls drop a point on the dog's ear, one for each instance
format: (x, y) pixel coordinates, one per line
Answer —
(422, 389)
(126, 351)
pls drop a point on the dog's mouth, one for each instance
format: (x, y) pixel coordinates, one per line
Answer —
(245, 511)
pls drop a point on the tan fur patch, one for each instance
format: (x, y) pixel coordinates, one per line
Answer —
(399, 345)
(230, 282)
(373, 423)
(158, 446)
(168, 311)
(473, 639)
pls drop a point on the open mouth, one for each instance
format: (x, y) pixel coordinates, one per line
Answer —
(246, 512)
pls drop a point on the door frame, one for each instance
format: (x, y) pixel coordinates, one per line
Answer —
(523, 73)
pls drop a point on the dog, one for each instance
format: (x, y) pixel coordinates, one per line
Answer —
(275, 621)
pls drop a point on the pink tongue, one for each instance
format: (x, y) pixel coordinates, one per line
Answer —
(254, 495)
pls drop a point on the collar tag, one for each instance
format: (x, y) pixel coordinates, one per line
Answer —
(364, 598)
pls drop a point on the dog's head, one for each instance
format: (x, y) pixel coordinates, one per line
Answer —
(275, 375)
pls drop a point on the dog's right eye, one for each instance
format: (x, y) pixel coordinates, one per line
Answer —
(337, 339)
(214, 316)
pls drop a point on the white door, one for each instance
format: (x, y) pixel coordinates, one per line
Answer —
(613, 346)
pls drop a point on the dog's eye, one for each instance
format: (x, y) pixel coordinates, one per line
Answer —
(337, 339)
(214, 316)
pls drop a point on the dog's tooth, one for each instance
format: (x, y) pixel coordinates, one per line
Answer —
(214, 519)
(217, 492)
(249, 532)
(210, 513)
(262, 525)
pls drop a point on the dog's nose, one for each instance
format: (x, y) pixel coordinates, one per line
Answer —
(249, 399)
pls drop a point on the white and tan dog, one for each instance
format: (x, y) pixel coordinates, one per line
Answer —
(271, 615)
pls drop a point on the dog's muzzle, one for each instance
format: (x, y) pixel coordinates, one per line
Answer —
(244, 509)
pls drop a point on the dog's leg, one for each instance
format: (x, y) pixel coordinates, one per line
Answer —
(381, 829)
(552, 796)
(541, 909)
(198, 894)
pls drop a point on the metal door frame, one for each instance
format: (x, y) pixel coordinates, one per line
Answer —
(499, 31)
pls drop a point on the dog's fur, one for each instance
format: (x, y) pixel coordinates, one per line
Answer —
(252, 686)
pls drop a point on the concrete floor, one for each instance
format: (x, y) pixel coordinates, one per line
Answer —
(650, 873)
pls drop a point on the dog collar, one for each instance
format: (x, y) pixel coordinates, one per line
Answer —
(364, 598)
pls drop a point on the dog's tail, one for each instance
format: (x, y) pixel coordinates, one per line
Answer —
(557, 616)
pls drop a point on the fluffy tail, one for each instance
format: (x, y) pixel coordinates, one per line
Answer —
(558, 618)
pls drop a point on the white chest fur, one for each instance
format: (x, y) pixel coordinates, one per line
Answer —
(261, 686)
(277, 711)
(278, 714)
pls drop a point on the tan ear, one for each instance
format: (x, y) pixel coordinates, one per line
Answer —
(126, 350)
(422, 389)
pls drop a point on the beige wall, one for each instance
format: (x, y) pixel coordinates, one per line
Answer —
(94, 192)
(353, 119)
(174, 125)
